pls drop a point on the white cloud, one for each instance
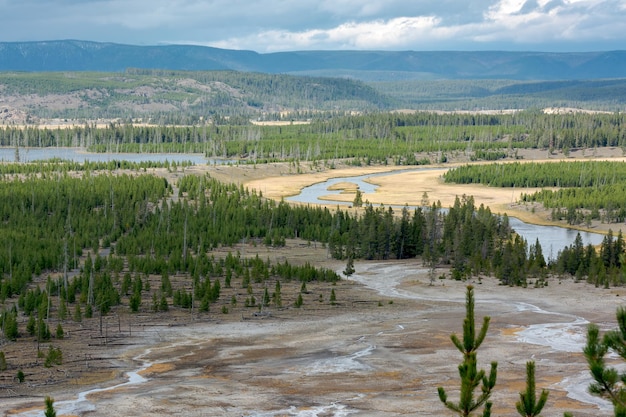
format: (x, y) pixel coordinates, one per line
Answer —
(274, 25)
(378, 34)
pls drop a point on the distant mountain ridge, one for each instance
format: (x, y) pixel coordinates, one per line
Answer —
(75, 55)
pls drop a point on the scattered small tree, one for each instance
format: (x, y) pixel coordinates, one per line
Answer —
(471, 377)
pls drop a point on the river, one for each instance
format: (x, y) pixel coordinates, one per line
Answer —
(80, 155)
(552, 238)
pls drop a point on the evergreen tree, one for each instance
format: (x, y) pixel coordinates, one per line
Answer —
(49, 412)
(608, 382)
(135, 301)
(163, 303)
(349, 267)
(10, 325)
(62, 313)
(78, 314)
(471, 377)
(43, 331)
(31, 325)
(277, 296)
(266, 298)
(59, 332)
(528, 405)
(89, 311)
(299, 301)
(358, 199)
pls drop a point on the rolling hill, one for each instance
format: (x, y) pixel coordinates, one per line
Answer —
(74, 55)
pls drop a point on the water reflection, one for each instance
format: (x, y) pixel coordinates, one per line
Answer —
(79, 155)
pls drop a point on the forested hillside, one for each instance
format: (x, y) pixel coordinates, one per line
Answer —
(480, 94)
(75, 55)
(181, 97)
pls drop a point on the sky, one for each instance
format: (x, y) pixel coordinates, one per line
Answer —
(291, 25)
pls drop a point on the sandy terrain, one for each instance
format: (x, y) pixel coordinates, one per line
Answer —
(409, 187)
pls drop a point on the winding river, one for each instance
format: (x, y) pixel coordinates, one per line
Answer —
(552, 238)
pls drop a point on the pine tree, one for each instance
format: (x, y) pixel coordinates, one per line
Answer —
(349, 267)
(10, 325)
(59, 332)
(277, 296)
(78, 314)
(358, 199)
(608, 381)
(299, 301)
(471, 377)
(528, 406)
(49, 412)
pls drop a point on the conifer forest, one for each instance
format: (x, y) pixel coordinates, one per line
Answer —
(83, 242)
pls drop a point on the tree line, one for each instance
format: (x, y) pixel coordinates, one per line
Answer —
(589, 190)
(386, 138)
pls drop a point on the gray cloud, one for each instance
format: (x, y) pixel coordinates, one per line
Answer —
(274, 25)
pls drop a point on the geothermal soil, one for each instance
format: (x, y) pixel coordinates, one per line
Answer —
(381, 350)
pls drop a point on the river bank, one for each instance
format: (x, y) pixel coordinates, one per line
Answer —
(414, 187)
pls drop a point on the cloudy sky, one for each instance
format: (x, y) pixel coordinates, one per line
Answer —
(287, 25)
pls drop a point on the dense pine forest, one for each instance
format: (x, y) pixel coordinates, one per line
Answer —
(577, 192)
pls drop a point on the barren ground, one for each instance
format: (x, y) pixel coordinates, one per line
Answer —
(382, 350)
